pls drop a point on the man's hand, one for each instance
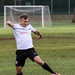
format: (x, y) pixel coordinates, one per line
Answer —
(10, 23)
(38, 34)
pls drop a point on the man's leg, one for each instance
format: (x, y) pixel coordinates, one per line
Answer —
(20, 61)
(38, 60)
(19, 70)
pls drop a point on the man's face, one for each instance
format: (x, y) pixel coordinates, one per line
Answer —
(24, 21)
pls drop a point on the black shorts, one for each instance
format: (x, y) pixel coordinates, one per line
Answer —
(21, 56)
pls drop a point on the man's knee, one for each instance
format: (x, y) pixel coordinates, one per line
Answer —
(38, 60)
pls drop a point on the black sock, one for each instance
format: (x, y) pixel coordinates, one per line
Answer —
(46, 67)
(20, 73)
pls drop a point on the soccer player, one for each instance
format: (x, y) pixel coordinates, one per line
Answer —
(25, 48)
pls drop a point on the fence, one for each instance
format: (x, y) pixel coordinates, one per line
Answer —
(56, 6)
(65, 7)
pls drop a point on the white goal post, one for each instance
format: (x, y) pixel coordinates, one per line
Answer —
(39, 15)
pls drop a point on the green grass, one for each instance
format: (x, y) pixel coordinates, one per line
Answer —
(57, 48)
(1, 25)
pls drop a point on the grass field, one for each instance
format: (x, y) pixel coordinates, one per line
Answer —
(57, 48)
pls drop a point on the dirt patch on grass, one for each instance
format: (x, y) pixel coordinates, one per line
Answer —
(58, 37)
(7, 38)
(61, 17)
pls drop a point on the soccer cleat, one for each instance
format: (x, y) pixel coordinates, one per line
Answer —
(55, 74)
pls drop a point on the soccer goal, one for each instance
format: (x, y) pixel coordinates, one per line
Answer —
(39, 16)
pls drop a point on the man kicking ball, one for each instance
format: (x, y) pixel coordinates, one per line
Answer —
(25, 48)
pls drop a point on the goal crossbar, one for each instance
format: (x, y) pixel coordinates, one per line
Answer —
(42, 10)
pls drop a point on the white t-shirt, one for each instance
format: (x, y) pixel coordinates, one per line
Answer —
(23, 36)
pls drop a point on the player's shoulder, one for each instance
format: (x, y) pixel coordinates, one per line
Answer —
(16, 25)
(29, 25)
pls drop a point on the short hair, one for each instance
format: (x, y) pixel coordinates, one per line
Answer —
(24, 15)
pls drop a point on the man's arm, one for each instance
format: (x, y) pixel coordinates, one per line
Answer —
(39, 35)
(10, 23)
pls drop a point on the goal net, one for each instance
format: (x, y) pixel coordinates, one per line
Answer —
(39, 16)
